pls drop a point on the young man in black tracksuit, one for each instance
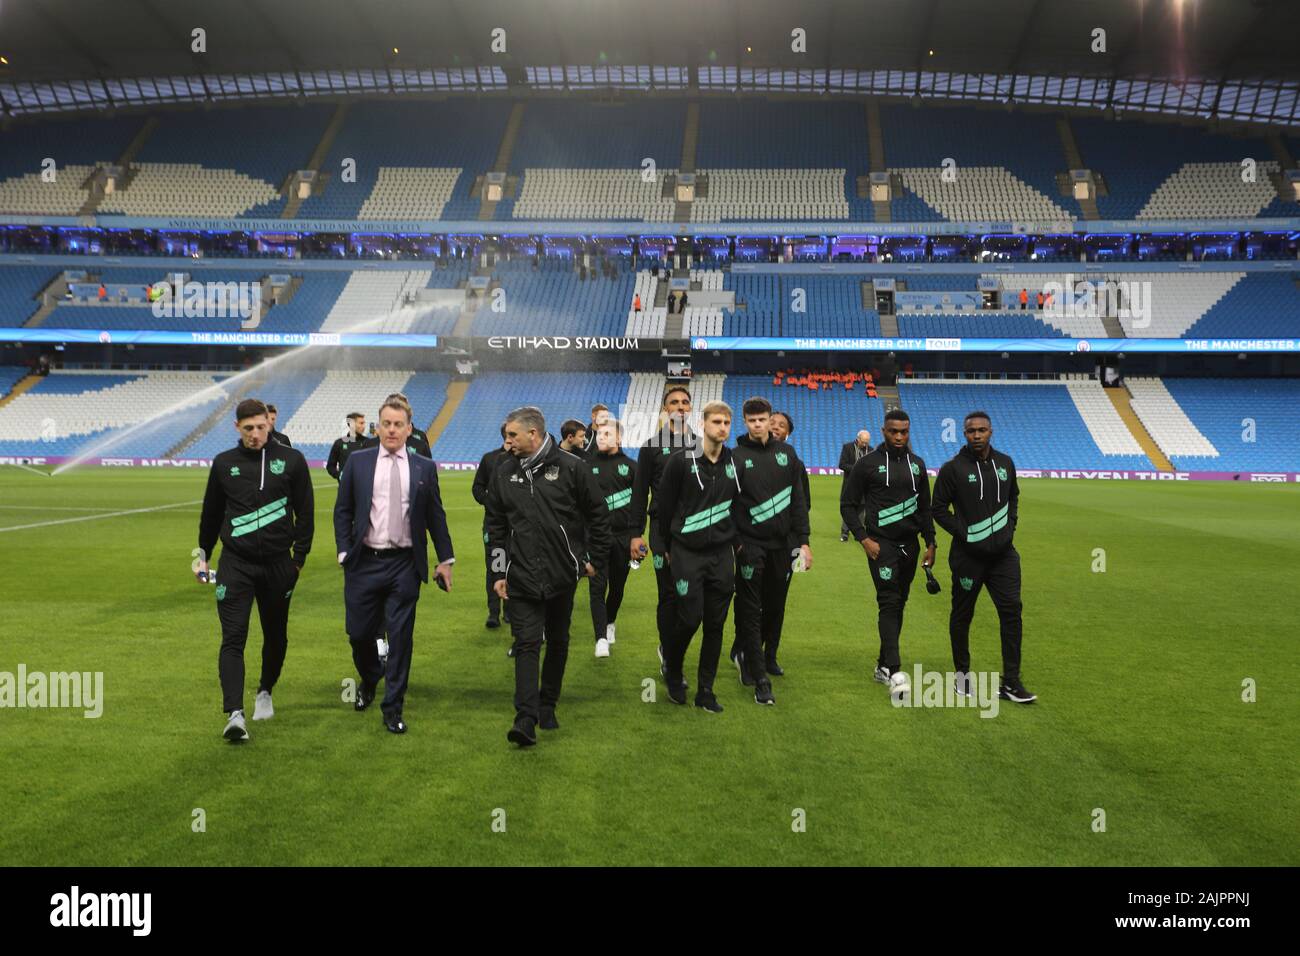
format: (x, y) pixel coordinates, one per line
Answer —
(771, 516)
(673, 435)
(355, 440)
(892, 488)
(259, 501)
(979, 484)
(545, 517)
(696, 495)
(482, 477)
(614, 473)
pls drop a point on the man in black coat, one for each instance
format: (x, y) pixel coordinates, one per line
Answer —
(482, 477)
(546, 519)
(849, 455)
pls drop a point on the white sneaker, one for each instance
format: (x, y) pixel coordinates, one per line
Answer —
(602, 648)
(609, 633)
(262, 709)
(880, 675)
(899, 686)
(236, 729)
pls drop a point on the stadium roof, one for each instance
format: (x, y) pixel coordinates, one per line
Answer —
(966, 49)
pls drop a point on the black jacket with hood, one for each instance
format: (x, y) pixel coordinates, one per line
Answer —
(984, 496)
(695, 501)
(261, 504)
(548, 519)
(772, 509)
(894, 488)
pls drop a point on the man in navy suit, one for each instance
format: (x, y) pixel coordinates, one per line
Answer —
(388, 498)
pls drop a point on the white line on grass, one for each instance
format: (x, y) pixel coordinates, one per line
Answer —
(111, 514)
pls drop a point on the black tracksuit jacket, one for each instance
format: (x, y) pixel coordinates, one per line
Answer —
(615, 475)
(985, 498)
(339, 453)
(652, 459)
(894, 488)
(695, 501)
(772, 509)
(550, 520)
(260, 503)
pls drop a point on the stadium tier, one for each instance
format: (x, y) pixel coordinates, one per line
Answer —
(1168, 171)
(20, 288)
(552, 299)
(1070, 423)
(756, 160)
(412, 160)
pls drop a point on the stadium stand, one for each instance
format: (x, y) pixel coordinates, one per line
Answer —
(1258, 306)
(19, 288)
(1167, 422)
(69, 412)
(322, 416)
(1006, 165)
(1039, 423)
(1164, 170)
(77, 147)
(221, 162)
(553, 300)
(406, 155)
(772, 160)
(287, 389)
(476, 427)
(1251, 423)
(11, 375)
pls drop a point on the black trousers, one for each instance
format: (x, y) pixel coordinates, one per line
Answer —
(762, 584)
(1000, 573)
(494, 602)
(892, 574)
(666, 608)
(530, 619)
(239, 583)
(703, 582)
(607, 587)
(380, 594)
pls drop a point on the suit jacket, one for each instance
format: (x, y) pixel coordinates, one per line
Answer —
(352, 509)
(849, 456)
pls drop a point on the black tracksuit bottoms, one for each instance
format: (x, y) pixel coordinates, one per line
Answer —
(494, 602)
(1000, 573)
(892, 574)
(762, 584)
(607, 587)
(239, 583)
(530, 619)
(666, 608)
(703, 582)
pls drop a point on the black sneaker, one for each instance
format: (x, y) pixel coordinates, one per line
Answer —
(963, 685)
(844, 537)
(548, 721)
(492, 622)
(881, 675)
(676, 690)
(708, 703)
(1016, 691)
(738, 659)
(763, 693)
(774, 669)
(523, 733)
(663, 670)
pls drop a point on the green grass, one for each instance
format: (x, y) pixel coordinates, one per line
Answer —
(1139, 671)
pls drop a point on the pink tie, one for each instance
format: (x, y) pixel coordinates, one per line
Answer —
(394, 503)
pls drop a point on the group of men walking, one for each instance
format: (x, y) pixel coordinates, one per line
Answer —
(724, 522)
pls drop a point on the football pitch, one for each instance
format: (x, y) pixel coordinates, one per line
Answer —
(1140, 751)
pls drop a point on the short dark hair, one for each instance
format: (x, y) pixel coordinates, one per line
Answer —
(977, 414)
(272, 409)
(676, 388)
(571, 427)
(756, 406)
(599, 408)
(897, 415)
(788, 420)
(249, 408)
(355, 415)
(503, 429)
